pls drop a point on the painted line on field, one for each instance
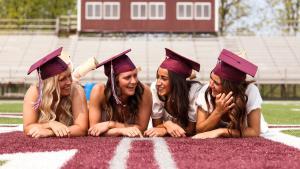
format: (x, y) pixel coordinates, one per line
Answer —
(19, 113)
(276, 135)
(37, 160)
(119, 160)
(10, 116)
(284, 126)
(5, 128)
(162, 154)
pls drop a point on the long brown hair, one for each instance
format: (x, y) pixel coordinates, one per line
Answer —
(237, 115)
(178, 99)
(132, 105)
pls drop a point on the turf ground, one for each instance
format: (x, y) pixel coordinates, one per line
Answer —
(94, 152)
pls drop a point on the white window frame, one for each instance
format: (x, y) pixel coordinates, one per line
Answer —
(93, 4)
(202, 17)
(157, 4)
(184, 4)
(111, 12)
(139, 4)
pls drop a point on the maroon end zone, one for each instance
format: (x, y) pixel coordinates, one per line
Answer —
(95, 152)
(233, 153)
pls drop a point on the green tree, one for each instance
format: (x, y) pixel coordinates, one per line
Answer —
(230, 11)
(29, 9)
(287, 15)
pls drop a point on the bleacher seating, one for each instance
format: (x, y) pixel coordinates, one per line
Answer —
(278, 58)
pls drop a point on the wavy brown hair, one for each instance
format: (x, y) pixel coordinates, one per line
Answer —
(237, 115)
(132, 105)
(178, 98)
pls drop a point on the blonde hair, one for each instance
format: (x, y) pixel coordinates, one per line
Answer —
(52, 104)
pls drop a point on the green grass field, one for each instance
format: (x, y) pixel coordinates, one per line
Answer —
(11, 121)
(11, 107)
(292, 132)
(279, 113)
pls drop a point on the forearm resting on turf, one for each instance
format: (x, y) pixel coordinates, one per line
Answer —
(27, 128)
(77, 130)
(208, 124)
(248, 132)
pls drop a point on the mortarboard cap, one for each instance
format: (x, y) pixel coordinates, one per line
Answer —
(120, 63)
(50, 65)
(115, 65)
(179, 64)
(234, 68)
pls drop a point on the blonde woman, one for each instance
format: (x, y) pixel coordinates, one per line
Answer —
(55, 106)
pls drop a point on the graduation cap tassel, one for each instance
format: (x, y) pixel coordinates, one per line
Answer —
(38, 102)
(112, 75)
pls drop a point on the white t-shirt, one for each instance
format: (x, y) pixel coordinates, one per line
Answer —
(158, 110)
(254, 102)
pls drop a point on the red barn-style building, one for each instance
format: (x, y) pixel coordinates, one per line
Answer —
(148, 16)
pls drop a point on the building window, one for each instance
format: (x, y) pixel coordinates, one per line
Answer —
(184, 10)
(138, 10)
(202, 11)
(111, 10)
(157, 10)
(93, 10)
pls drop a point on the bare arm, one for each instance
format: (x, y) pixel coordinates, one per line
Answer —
(253, 129)
(80, 112)
(96, 99)
(206, 122)
(145, 109)
(30, 115)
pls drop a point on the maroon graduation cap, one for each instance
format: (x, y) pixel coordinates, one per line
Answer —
(179, 64)
(120, 63)
(115, 65)
(50, 65)
(233, 68)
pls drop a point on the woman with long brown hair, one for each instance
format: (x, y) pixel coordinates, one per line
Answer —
(174, 108)
(230, 106)
(122, 107)
(55, 106)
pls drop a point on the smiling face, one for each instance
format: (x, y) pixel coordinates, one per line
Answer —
(215, 84)
(127, 82)
(65, 82)
(163, 82)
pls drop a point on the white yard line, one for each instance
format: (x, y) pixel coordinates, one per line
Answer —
(162, 154)
(10, 116)
(119, 160)
(276, 135)
(37, 160)
(10, 128)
